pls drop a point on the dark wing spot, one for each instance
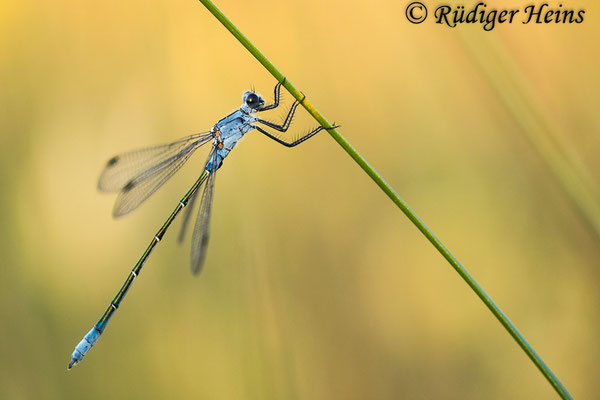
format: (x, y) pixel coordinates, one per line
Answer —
(128, 186)
(204, 241)
(112, 161)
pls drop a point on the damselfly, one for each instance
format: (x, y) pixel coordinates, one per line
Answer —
(138, 174)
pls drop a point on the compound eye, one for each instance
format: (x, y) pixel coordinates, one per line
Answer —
(252, 99)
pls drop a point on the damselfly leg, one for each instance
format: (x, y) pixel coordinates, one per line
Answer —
(285, 125)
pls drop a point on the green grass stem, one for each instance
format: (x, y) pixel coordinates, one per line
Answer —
(508, 325)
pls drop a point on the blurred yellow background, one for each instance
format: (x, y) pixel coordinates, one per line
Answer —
(315, 286)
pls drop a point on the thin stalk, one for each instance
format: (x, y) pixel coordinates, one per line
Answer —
(402, 205)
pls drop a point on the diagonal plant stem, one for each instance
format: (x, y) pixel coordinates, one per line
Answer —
(508, 325)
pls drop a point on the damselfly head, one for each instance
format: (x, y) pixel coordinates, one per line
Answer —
(253, 100)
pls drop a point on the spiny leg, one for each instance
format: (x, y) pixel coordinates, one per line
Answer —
(297, 141)
(288, 119)
(94, 334)
(276, 96)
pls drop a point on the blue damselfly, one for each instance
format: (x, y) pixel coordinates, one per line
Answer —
(138, 174)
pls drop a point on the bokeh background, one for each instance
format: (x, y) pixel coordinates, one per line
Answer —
(316, 286)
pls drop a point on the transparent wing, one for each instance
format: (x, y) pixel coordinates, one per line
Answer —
(137, 190)
(202, 227)
(123, 168)
(140, 173)
(190, 206)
